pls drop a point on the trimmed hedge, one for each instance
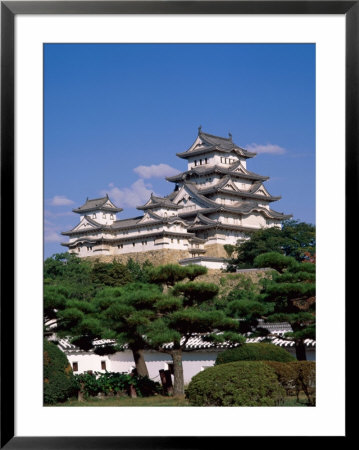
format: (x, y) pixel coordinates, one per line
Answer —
(254, 352)
(295, 377)
(59, 381)
(114, 383)
(241, 383)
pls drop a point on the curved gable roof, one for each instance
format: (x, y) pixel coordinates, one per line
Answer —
(96, 204)
(206, 142)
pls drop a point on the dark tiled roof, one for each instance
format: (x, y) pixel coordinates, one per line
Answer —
(157, 202)
(198, 341)
(211, 142)
(98, 226)
(135, 237)
(251, 193)
(97, 204)
(241, 207)
(208, 170)
(125, 223)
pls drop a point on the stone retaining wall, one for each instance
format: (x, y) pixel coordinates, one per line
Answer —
(216, 250)
(156, 257)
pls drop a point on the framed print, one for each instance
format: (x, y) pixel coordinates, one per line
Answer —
(146, 72)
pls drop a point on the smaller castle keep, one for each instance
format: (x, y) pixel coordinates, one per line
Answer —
(214, 202)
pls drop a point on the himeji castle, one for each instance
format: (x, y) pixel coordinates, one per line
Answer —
(216, 201)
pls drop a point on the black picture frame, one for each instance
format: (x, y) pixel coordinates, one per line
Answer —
(9, 9)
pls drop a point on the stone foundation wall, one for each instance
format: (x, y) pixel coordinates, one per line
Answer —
(216, 250)
(156, 257)
(162, 256)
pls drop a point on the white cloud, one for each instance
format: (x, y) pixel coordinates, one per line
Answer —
(155, 171)
(267, 148)
(52, 236)
(136, 195)
(51, 214)
(61, 200)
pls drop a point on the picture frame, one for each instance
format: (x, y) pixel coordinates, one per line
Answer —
(9, 10)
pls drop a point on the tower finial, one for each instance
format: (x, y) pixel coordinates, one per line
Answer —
(199, 129)
(230, 135)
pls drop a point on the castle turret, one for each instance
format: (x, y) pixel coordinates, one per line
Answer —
(102, 210)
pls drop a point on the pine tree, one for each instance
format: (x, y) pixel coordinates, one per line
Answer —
(291, 294)
(187, 310)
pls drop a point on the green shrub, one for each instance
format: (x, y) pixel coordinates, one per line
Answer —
(109, 383)
(296, 376)
(59, 381)
(254, 352)
(241, 383)
(274, 260)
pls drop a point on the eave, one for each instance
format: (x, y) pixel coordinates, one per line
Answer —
(237, 150)
(141, 237)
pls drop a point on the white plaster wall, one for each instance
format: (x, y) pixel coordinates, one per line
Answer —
(255, 220)
(209, 264)
(243, 184)
(198, 158)
(310, 352)
(193, 362)
(103, 217)
(225, 199)
(164, 212)
(88, 361)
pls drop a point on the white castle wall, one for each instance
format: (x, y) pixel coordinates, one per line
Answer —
(193, 362)
(219, 159)
(103, 217)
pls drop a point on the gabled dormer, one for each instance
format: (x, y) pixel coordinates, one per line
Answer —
(86, 224)
(161, 206)
(102, 210)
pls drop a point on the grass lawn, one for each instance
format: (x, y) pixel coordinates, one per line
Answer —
(157, 400)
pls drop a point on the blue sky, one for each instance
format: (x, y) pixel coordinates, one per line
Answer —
(115, 115)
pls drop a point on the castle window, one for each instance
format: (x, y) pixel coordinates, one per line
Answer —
(75, 367)
(171, 241)
(120, 246)
(195, 162)
(103, 215)
(103, 365)
(111, 216)
(206, 161)
(133, 244)
(178, 241)
(94, 215)
(200, 162)
(222, 160)
(78, 249)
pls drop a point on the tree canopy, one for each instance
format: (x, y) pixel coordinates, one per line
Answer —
(295, 239)
(144, 316)
(287, 294)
